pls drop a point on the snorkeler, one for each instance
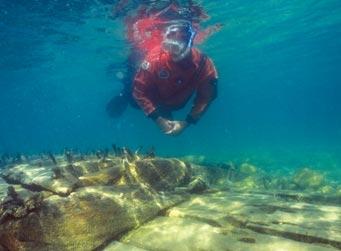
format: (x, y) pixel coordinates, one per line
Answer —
(169, 70)
(169, 77)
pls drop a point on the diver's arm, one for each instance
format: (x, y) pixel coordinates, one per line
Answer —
(143, 96)
(143, 93)
(206, 93)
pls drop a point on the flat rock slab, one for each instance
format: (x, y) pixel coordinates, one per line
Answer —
(241, 221)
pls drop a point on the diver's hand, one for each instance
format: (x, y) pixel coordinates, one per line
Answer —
(177, 127)
(165, 125)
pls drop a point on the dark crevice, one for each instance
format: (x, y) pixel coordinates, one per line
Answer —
(270, 209)
(247, 240)
(117, 237)
(296, 236)
(210, 222)
(334, 200)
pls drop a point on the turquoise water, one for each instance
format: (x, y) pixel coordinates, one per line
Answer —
(279, 101)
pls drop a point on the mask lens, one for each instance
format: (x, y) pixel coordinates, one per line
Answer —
(178, 38)
(178, 33)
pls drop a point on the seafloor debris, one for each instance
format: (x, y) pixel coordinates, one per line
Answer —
(98, 154)
(247, 169)
(69, 156)
(12, 206)
(102, 154)
(18, 158)
(52, 158)
(11, 159)
(117, 150)
(198, 185)
(308, 179)
(150, 153)
(128, 154)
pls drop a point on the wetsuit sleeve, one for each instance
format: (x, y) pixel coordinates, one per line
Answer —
(144, 91)
(206, 92)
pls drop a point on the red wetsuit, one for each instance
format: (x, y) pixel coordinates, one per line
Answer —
(163, 83)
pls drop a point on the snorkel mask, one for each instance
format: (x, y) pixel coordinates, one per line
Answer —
(178, 39)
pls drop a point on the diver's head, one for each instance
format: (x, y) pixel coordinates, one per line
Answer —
(178, 39)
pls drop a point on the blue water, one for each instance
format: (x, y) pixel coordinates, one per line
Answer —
(279, 66)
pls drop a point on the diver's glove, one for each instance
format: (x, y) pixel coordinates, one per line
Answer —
(164, 124)
(177, 127)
